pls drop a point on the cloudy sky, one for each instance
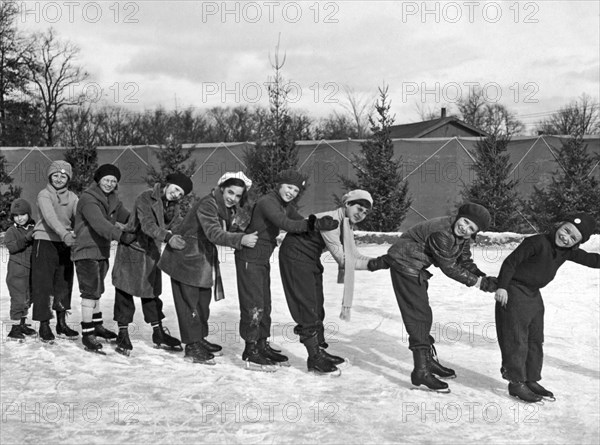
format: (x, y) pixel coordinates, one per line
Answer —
(532, 56)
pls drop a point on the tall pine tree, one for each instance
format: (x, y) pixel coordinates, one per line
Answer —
(492, 187)
(379, 173)
(573, 187)
(8, 193)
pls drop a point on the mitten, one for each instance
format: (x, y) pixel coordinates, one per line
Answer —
(322, 224)
(378, 263)
(177, 242)
(489, 284)
(127, 238)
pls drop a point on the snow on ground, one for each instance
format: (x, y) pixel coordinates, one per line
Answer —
(52, 393)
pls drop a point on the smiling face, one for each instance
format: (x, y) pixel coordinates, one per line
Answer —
(288, 192)
(356, 213)
(567, 235)
(108, 183)
(59, 180)
(20, 220)
(465, 228)
(232, 195)
(173, 192)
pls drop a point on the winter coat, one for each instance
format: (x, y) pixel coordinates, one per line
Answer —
(57, 213)
(270, 215)
(135, 270)
(205, 225)
(536, 260)
(95, 224)
(18, 245)
(434, 242)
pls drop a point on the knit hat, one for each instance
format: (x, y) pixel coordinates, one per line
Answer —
(181, 180)
(584, 223)
(476, 213)
(60, 167)
(355, 195)
(238, 175)
(20, 207)
(107, 170)
(292, 177)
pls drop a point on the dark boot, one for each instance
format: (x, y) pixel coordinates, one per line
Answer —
(253, 354)
(317, 362)
(270, 353)
(521, 391)
(62, 329)
(100, 330)
(421, 375)
(161, 337)
(439, 370)
(45, 332)
(16, 333)
(213, 348)
(539, 390)
(321, 336)
(196, 353)
(333, 358)
(88, 337)
(124, 345)
(25, 329)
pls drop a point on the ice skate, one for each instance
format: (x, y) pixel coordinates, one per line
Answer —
(317, 362)
(521, 391)
(439, 370)
(163, 340)
(340, 362)
(213, 348)
(195, 353)
(89, 340)
(272, 354)
(255, 360)
(124, 346)
(100, 330)
(25, 329)
(62, 328)
(422, 377)
(538, 389)
(16, 334)
(45, 332)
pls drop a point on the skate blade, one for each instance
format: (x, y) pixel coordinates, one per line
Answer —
(334, 374)
(217, 354)
(539, 402)
(95, 351)
(549, 399)
(452, 377)
(125, 352)
(64, 337)
(15, 340)
(250, 366)
(210, 362)
(48, 342)
(426, 389)
(168, 348)
(283, 364)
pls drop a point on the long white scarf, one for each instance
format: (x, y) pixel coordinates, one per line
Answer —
(349, 265)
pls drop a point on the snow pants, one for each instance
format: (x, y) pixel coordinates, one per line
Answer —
(254, 292)
(303, 287)
(51, 278)
(413, 301)
(192, 305)
(125, 308)
(520, 330)
(18, 281)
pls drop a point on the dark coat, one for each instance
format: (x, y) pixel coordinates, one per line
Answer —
(95, 227)
(18, 245)
(136, 271)
(205, 225)
(434, 242)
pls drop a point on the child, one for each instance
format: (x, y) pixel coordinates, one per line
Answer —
(519, 307)
(444, 242)
(18, 240)
(302, 275)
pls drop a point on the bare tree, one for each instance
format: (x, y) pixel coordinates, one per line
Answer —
(359, 108)
(54, 75)
(428, 114)
(576, 119)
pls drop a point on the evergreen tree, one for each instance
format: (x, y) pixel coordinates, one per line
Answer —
(173, 159)
(492, 186)
(379, 173)
(8, 193)
(84, 161)
(573, 187)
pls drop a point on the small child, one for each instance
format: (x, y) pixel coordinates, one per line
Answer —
(519, 307)
(19, 241)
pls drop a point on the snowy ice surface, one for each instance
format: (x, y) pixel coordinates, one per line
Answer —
(60, 393)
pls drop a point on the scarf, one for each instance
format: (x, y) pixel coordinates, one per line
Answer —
(226, 216)
(347, 238)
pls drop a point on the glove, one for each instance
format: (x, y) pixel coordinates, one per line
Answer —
(378, 263)
(69, 239)
(322, 224)
(29, 236)
(177, 242)
(489, 284)
(127, 238)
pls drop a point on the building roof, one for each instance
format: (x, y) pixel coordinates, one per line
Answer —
(422, 129)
